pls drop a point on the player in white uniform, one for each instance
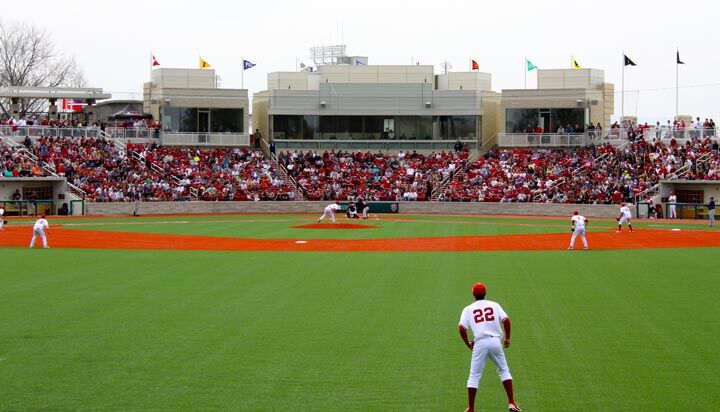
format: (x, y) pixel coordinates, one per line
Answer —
(483, 318)
(624, 217)
(39, 228)
(330, 211)
(672, 208)
(578, 228)
(2, 220)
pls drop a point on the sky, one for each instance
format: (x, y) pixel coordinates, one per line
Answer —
(113, 41)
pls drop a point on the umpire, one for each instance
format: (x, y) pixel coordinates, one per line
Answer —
(362, 207)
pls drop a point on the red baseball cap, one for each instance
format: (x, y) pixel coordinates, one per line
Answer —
(575, 212)
(479, 289)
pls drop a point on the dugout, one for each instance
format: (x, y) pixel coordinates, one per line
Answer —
(692, 197)
(37, 195)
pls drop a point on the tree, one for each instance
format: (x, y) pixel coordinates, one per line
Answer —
(28, 57)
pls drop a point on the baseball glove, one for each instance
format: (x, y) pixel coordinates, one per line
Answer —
(617, 219)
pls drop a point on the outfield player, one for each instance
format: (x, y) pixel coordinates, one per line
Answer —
(578, 228)
(624, 217)
(672, 207)
(330, 211)
(483, 318)
(2, 219)
(39, 229)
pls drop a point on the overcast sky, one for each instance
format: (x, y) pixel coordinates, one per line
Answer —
(113, 40)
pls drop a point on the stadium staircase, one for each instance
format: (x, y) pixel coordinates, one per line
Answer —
(459, 173)
(285, 176)
(73, 192)
(654, 191)
(120, 145)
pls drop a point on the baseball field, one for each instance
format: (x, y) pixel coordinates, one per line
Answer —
(277, 312)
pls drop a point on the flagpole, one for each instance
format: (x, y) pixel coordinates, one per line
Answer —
(677, 65)
(150, 86)
(242, 74)
(622, 93)
(525, 71)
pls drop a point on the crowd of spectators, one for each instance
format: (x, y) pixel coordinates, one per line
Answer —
(595, 174)
(346, 175)
(149, 172)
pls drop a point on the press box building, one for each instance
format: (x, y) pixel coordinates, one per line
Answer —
(368, 103)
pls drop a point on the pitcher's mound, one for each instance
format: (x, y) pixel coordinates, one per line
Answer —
(334, 226)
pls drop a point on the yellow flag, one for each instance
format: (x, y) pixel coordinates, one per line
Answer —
(575, 64)
(204, 64)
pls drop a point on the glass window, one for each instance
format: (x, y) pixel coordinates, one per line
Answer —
(226, 120)
(188, 119)
(520, 120)
(571, 117)
(170, 118)
(310, 126)
(424, 127)
(462, 127)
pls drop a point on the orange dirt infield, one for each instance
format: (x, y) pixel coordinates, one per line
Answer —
(92, 239)
(335, 226)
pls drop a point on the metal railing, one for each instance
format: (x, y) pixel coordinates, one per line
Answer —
(50, 131)
(552, 139)
(385, 145)
(205, 139)
(132, 133)
(299, 194)
(435, 194)
(682, 135)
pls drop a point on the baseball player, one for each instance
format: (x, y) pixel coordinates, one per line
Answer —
(330, 211)
(2, 219)
(624, 217)
(711, 211)
(352, 212)
(362, 207)
(672, 207)
(578, 228)
(39, 229)
(483, 318)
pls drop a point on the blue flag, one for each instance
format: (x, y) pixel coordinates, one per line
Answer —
(247, 65)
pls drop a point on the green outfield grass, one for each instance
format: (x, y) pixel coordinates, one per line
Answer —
(170, 330)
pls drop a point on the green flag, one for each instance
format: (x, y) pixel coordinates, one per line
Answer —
(530, 66)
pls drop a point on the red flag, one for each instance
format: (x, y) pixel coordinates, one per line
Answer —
(154, 61)
(475, 65)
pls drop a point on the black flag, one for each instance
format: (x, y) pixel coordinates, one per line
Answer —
(678, 58)
(629, 62)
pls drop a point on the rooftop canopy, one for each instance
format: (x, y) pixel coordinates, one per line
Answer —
(23, 92)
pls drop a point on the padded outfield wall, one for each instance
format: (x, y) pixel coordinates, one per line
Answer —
(447, 208)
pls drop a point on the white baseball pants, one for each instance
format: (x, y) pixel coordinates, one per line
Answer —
(41, 233)
(581, 232)
(487, 348)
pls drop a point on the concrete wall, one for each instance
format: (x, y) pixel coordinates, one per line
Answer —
(570, 79)
(464, 81)
(153, 208)
(260, 113)
(183, 78)
(376, 74)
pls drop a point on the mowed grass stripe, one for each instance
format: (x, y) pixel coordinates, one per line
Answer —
(112, 330)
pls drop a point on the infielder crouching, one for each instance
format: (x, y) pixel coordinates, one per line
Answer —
(39, 229)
